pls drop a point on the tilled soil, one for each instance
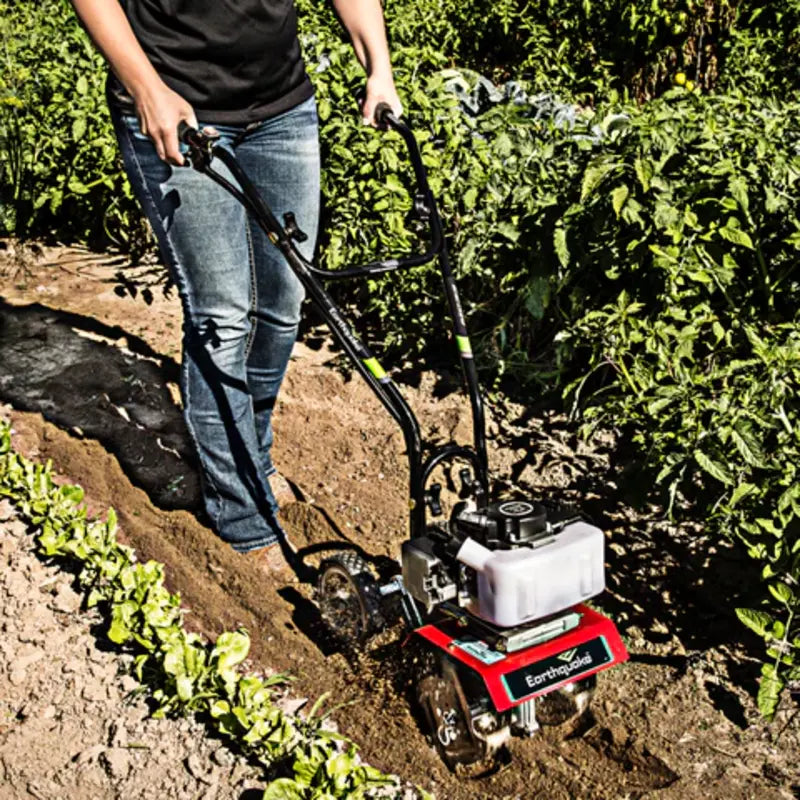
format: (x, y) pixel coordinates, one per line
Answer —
(90, 367)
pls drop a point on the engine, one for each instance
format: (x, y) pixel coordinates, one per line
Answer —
(510, 563)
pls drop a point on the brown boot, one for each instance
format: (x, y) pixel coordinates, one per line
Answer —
(282, 490)
(273, 563)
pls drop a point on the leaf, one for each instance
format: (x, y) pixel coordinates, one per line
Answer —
(305, 768)
(74, 494)
(618, 198)
(594, 176)
(508, 230)
(560, 244)
(341, 765)
(324, 109)
(118, 632)
(231, 649)
(757, 621)
(538, 297)
(769, 691)
(713, 468)
(284, 789)
(747, 444)
(78, 128)
(768, 524)
(184, 685)
(735, 235)
(76, 186)
(741, 491)
(781, 592)
(738, 189)
(219, 708)
(654, 407)
(111, 521)
(644, 172)
(666, 470)
(794, 240)
(666, 255)
(394, 184)
(95, 597)
(173, 660)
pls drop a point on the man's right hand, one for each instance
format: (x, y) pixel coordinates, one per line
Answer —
(160, 110)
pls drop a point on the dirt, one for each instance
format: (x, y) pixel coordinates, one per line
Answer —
(88, 361)
(73, 723)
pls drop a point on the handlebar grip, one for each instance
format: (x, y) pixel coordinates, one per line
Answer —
(200, 143)
(185, 131)
(384, 115)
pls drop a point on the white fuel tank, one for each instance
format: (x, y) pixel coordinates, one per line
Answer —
(524, 584)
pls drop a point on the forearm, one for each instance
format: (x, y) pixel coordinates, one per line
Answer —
(111, 32)
(158, 108)
(364, 22)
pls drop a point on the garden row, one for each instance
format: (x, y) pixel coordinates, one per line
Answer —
(623, 211)
(185, 675)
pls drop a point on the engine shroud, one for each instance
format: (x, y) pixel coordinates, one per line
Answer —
(510, 563)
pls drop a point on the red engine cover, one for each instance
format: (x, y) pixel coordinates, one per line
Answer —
(513, 678)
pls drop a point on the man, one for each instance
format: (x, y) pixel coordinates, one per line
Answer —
(234, 66)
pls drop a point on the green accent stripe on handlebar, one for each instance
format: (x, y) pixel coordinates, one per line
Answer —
(464, 347)
(376, 369)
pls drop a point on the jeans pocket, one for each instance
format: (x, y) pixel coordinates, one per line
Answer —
(131, 122)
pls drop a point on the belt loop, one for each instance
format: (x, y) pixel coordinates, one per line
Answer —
(248, 129)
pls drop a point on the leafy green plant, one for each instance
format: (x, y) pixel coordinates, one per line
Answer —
(641, 253)
(58, 154)
(761, 53)
(186, 674)
(59, 162)
(691, 220)
(582, 48)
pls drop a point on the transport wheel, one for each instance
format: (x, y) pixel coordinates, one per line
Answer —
(348, 597)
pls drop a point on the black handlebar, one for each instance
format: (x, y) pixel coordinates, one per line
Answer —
(424, 207)
(200, 143)
(203, 149)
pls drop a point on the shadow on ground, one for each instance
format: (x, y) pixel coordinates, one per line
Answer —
(98, 381)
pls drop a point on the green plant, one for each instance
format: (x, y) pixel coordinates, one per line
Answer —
(643, 253)
(761, 53)
(582, 48)
(691, 220)
(58, 155)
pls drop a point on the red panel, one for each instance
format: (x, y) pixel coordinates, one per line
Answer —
(592, 625)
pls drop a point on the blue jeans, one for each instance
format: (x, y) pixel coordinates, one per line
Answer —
(241, 301)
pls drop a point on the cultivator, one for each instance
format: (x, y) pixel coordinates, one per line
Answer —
(496, 597)
(494, 592)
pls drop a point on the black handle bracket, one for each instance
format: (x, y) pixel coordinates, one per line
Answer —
(292, 228)
(201, 144)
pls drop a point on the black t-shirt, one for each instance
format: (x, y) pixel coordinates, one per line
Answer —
(235, 61)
